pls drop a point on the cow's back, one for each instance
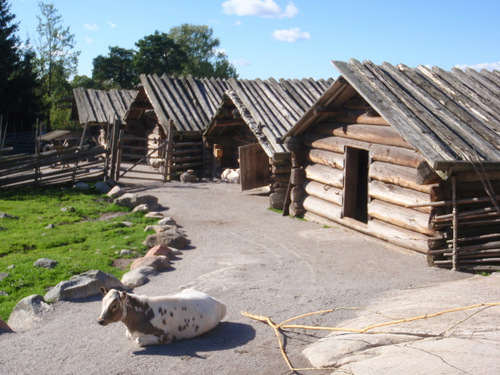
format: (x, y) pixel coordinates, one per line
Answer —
(187, 314)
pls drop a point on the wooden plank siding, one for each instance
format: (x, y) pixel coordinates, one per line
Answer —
(433, 143)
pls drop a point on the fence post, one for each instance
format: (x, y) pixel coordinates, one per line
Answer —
(170, 149)
(79, 151)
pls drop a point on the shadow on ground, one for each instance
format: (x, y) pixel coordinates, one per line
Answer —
(227, 335)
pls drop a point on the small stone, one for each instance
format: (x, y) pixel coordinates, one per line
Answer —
(50, 226)
(102, 187)
(141, 208)
(11, 267)
(68, 209)
(45, 263)
(82, 186)
(116, 192)
(154, 215)
(167, 221)
(126, 252)
(3, 275)
(161, 250)
(159, 263)
(4, 215)
(127, 223)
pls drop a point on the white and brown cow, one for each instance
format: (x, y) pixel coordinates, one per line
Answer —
(159, 320)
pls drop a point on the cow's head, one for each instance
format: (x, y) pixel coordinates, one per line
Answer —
(113, 306)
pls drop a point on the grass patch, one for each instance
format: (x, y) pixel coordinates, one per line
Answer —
(78, 241)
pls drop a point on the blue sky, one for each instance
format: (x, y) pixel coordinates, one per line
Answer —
(291, 39)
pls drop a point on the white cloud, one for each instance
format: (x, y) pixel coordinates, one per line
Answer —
(91, 27)
(291, 35)
(487, 66)
(89, 40)
(112, 24)
(261, 8)
(241, 62)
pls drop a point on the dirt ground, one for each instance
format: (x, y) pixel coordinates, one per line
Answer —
(249, 257)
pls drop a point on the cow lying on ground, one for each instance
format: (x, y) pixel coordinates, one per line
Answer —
(159, 320)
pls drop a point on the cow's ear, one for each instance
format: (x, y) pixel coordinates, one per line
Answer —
(123, 295)
(103, 290)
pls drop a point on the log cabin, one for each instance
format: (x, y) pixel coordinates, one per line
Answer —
(407, 155)
(98, 109)
(174, 111)
(247, 129)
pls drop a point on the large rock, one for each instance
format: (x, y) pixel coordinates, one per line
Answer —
(84, 285)
(463, 341)
(28, 312)
(172, 237)
(138, 276)
(132, 200)
(159, 263)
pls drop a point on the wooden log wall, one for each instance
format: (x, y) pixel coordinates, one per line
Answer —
(281, 166)
(470, 224)
(391, 182)
(188, 153)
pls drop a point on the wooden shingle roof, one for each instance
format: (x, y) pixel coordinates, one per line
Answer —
(270, 107)
(98, 107)
(451, 117)
(189, 102)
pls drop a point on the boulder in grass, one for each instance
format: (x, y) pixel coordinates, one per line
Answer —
(84, 285)
(45, 263)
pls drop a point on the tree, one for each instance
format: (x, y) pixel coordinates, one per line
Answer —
(115, 70)
(56, 58)
(158, 54)
(19, 104)
(203, 55)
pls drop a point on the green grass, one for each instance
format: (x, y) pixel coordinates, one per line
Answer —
(78, 241)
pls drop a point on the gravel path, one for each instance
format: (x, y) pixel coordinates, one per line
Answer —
(245, 255)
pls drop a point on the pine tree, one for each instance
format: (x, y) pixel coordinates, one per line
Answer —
(18, 100)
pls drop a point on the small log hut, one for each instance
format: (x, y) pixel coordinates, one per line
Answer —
(175, 110)
(247, 129)
(408, 155)
(100, 108)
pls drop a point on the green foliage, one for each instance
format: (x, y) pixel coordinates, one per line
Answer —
(203, 55)
(56, 59)
(80, 240)
(115, 70)
(18, 83)
(158, 54)
(186, 49)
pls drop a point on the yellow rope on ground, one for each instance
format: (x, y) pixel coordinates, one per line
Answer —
(284, 325)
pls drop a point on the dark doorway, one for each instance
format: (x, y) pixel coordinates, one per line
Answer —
(356, 184)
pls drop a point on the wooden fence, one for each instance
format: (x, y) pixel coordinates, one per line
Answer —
(84, 162)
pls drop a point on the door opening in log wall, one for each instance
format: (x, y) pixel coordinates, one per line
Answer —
(356, 184)
(254, 167)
